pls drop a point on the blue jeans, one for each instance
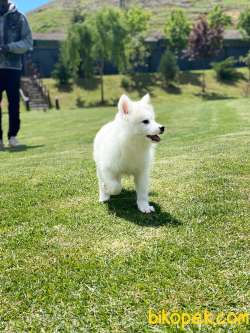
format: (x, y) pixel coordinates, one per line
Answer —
(10, 82)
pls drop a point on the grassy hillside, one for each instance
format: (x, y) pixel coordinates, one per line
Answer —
(56, 15)
(69, 264)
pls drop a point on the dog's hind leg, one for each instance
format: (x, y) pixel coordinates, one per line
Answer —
(114, 187)
(141, 183)
(112, 183)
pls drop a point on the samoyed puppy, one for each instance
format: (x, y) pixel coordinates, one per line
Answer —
(125, 147)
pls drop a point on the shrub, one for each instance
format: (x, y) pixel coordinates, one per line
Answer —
(225, 70)
(80, 103)
(168, 67)
(246, 61)
(126, 83)
(62, 72)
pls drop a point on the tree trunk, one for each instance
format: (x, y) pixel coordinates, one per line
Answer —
(203, 82)
(248, 83)
(102, 83)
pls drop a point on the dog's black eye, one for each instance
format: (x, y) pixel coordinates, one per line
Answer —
(146, 121)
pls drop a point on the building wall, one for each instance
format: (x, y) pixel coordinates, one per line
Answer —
(231, 48)
(46, 55)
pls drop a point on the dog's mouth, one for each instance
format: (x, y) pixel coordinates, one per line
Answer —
(154, 138)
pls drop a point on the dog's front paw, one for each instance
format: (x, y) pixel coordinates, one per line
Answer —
(144, 207)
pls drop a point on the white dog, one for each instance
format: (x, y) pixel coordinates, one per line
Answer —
(124, 147)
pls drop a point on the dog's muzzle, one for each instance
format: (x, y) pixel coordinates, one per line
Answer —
(156, 138)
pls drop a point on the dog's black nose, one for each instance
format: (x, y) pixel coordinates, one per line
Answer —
(162, 129)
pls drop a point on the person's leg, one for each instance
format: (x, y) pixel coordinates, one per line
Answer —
(12, 90)
(2, 81)
(1, 130)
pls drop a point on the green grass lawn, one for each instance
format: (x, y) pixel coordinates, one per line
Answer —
(69, 264)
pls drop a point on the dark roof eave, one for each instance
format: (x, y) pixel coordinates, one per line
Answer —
(49, 36)
(152, 38)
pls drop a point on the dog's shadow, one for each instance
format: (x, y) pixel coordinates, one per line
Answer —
(124, 206)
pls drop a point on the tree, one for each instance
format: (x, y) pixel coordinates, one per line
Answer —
(109, 40)
(137, 20)
(244, 23)
(76, 54)
(72, 45)
(177, 30)
(80, 49)
(168, 67)
(109, 35)
(203, 43)
(137, 24)
(217, 18)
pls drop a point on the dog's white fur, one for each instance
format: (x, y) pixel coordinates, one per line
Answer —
(122, 147)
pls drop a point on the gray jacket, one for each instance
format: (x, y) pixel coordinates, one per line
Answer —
(16, 34)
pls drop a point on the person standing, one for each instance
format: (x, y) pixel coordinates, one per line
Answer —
(15, 40)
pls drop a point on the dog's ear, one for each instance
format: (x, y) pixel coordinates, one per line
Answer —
(146, 99)
(124, 104)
